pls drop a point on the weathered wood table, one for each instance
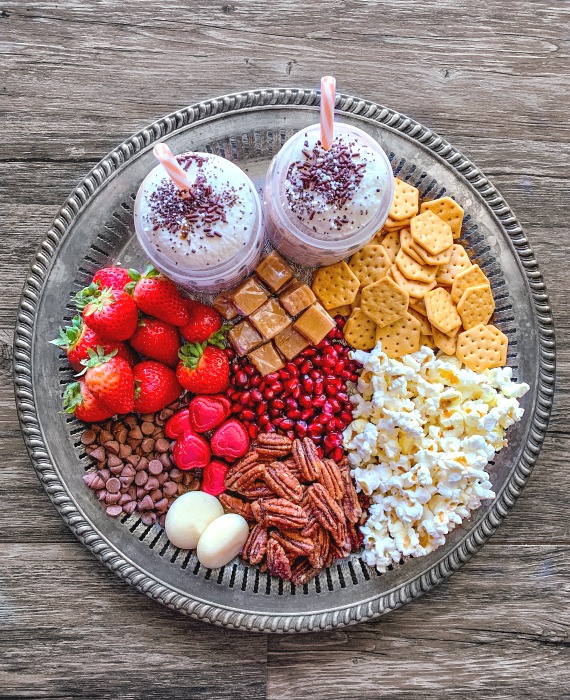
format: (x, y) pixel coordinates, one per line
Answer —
(76, 78)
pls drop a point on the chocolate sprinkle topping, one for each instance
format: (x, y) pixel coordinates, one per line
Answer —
(189, 214)
(335, 175)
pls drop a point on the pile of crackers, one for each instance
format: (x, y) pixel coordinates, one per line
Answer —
(414, 285)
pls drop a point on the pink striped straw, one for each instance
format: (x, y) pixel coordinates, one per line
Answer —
(328, 86)
(170, 164)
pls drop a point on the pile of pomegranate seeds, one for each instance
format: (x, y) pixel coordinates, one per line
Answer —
(308, 397)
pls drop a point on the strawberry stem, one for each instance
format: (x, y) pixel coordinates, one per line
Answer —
(190, 354)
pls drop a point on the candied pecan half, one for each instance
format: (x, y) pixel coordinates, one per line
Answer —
(241, 471)
(340, 535)
(282, 482)
(242, 479)
(277, 561)
(257, 490)
(255, 546)
(339, 552)
(235, 504)
(350, 503)
(270, 446)
(326, 509)
(331, 478)
(355, 537)
(279, 513)
(294, 542)
(321, 545)
(305, 465)
(302, 572)
(293, 468)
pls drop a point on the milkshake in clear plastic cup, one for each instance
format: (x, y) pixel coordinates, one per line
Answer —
(208, 237)
(322, 205)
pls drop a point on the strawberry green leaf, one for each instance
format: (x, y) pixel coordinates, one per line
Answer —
(69, 335)
(138, 388)
(219, 337)
(151, 272)
(87, 295)
(190, 354)
(97, 358)
(72, 397)
(135, 275)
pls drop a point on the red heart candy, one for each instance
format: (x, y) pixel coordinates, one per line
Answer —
(230, 441)
(214, 477)
(206, 413)
(191, 451)
(177, 424)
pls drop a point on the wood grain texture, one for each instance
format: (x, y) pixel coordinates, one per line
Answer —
(77, 78)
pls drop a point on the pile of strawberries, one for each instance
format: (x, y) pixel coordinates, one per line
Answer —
(125, 314)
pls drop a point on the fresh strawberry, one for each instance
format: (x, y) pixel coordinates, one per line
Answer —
(157, 296)
(110, 312)
(155, 386)
(204, 322)
(158, 340)
(113, 277)
(77, 337)
(79, 400)
(110, 379)
(203, 368)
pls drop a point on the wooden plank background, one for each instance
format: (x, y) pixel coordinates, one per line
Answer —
(76, 78)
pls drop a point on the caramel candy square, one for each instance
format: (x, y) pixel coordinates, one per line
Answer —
(249, 296)
(270, 319)
(315, 324)
(297, 297)
(274, 271)
(244, 337)
(224, 305)
(266, 359)
(290, 343)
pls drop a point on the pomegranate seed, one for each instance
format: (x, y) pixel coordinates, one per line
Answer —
(319, 384)
(278, 421)
(318, 401)
(305, 401)
(274, 412)
(261, 408)
(354, 377)
(294, 415)
(332, 390)
(342, 396)
(276, 386)
(291, 434)
(315, 430)
(269, 394)
(306, 366)
(307, 413)
(345, 374)
(301, 428)
(327, 407)
(264, 420)
(241, 378)
(346, 417)
(278, 404)
(245, 397)
(315, 374)
(296, 392)
(249, 370)
(320, 452)
(333, 440)
(286, 424)
(255, 381)
(322, 419)
(308, 385)
(248, 415)
(309, 352)
(337, 454)
(291, 404)
(291, 367)
(299, 360)
(335, 405)
(253, 431)
(340, 365)
(256, 395)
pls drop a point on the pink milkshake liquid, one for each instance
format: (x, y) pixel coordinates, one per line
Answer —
(323, 205)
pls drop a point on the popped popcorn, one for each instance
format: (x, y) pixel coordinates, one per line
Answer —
(424, 429)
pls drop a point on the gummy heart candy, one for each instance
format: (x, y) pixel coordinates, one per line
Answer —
(230, 440)
(191, 451)
(177, 424)
(206, 413)
(214, 477)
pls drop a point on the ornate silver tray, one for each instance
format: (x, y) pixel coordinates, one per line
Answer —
(94, 227)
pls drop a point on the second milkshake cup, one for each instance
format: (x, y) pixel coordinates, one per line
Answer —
(322, 205)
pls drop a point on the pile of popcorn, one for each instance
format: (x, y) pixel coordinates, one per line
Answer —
(424, 430)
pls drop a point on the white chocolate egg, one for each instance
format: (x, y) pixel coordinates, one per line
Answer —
(189, 516)
(222, 540)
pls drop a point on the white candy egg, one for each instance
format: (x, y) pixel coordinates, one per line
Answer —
(189, 516)
(222, 540)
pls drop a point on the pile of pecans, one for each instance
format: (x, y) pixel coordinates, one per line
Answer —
(134, 470)
(303, 511)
